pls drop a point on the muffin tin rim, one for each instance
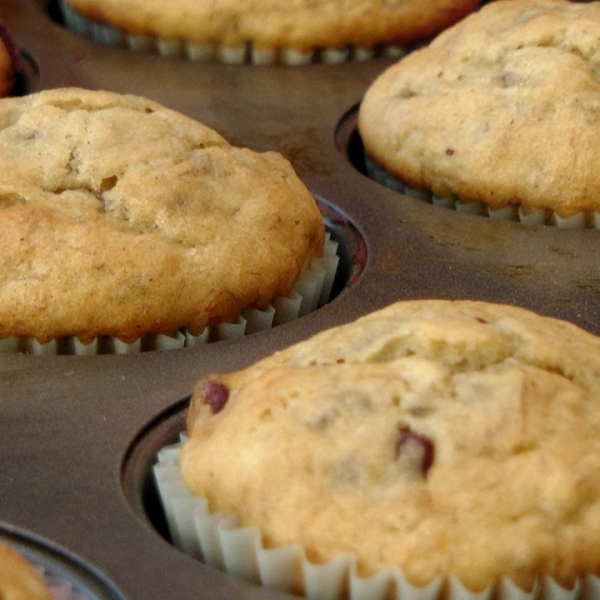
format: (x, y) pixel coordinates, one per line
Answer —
(126, 393)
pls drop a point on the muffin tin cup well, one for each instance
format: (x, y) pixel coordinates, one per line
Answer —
(66, 577)
(28, 76)
(70, 423)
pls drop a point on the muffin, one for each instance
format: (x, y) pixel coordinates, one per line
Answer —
(18, 579)
(429, 446)
(264, 31)
(9, 61)
(125, 219)
(498, 114)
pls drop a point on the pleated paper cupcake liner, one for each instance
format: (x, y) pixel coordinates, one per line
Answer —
(220, 53)
(513, 212)
(311, 291)
(218, 540)
(61, 589)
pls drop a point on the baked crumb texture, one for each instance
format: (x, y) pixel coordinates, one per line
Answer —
(498, 113)
(122, 218)
(445, 439)
(265, 31)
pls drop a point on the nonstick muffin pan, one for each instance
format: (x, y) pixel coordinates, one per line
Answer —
(78, 434)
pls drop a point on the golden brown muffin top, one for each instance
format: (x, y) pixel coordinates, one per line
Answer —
(122, 217)
(440, 437)
(301, 24)
(502, 108)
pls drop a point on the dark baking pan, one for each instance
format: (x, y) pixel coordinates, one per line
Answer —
(78, 434)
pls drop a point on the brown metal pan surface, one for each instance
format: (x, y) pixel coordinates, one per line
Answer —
(78, 434)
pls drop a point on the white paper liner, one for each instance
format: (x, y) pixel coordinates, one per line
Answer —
(243, 54)
(61, 589)
(311, 291)
(217, 540)
(587, 220)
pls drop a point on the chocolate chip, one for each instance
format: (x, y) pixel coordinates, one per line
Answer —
(415, 449)
(214, 393)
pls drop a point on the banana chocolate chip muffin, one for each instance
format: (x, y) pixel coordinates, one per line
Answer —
(18, 578)
(439, 439)
(120, 217)
(269, 30)
(500, 111)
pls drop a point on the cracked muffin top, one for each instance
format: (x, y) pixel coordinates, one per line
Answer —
(18, 579)
(301, 24)
(121, 217)
(503, 108)
(442, 437)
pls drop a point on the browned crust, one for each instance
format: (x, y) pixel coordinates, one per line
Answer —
(273, 24)
(303, 444)
(121, 217)
(499, 109)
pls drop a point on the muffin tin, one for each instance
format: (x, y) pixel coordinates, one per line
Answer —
(79, 434)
